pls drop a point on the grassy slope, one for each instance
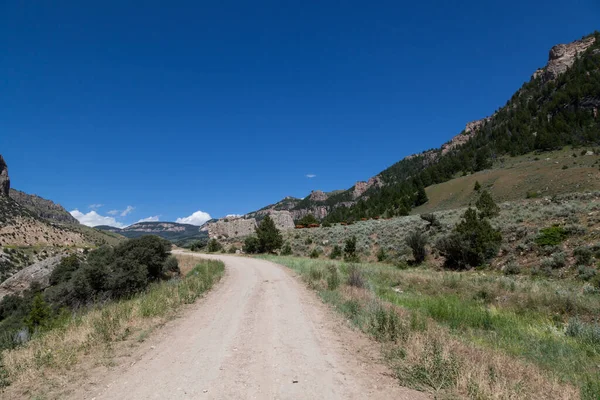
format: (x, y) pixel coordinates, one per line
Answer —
(514, 177)
(98, 336)
(471, 334)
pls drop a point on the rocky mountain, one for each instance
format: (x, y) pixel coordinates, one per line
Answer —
(557, 107)
(43, 208)
(178, 233)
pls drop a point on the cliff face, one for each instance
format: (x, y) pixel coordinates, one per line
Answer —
(4, 179)
(243, 226)
(562, 57)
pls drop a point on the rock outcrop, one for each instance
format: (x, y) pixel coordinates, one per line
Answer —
(38, 273)
(243, 226)
(318, 195)
(283, 220)
(361, 187)
(43, 208)
(4, 179)
(230, 227)
(562, 57)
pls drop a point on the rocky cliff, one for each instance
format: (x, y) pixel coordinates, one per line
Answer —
(562, 57)
(36, 273)
(244, 226)
(4, 179)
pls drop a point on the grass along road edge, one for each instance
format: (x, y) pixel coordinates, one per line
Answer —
(451, 346)
(97, 335)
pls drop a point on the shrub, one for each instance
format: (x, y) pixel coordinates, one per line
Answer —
(381, 255)
(472, 243)
(314, 253)
(333, 277)
(431, 219)
(39, 316)
(269, 237)
(385, 325)
(350, 249)
(512, 268)
(63, 271)
(171, 265)
(232, 249)
(487, 206)
(586, 273)
(336, 252)
(251, 245)
(551, 236)
(583, 255)
(477, 186)
(214, 246)
(417, 241)
(286, 250)
(326, 224)
(355, 277)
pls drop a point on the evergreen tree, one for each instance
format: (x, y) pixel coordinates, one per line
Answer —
(39, 315)
(269, 237)
(487, 206)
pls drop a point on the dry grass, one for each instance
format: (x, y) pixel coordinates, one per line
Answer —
(93, 338)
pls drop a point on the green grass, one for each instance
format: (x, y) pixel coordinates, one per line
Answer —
(526, 319)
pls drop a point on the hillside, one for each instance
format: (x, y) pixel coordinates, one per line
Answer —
(557, 107)
(180, 234)
(43, 208)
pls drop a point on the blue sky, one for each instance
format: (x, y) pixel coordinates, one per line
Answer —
(163, 109)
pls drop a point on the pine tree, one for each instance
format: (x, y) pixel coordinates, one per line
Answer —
(39, 316)
(487, 206)
(269, 237)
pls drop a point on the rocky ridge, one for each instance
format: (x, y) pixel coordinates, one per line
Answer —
(562, 57)
(43, 208)
(35, 273)
(4, 179)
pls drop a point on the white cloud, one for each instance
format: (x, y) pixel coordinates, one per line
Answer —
(112, 212)
(149, 219)
(310, 176)
(94, 219)
(95, 206)
(127, 211)
(198, 218)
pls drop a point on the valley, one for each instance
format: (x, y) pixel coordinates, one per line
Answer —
(471, 270)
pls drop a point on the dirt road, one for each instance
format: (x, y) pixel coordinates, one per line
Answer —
(260, 334)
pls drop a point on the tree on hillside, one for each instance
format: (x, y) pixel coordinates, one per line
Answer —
(421, 196)
(269, 237)
(487, 206)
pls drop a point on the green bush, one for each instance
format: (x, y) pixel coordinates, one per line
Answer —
(586, 273)
(172, 265)
(487, 206)
(551, 236)
(472, 243)
(336, 252)
(350, 250)
(232, 249)
(63, 271)
(214, 246)
(417, 241)
(286, 250)
(477, 186)
(381, 254)
(251, 245)
(314, 253)
(583, 255)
